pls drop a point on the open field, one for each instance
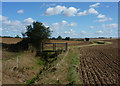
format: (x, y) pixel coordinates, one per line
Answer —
(10, 40)
(99, 64)
(93, 63)
(15, 40)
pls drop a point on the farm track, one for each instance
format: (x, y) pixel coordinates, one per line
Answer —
(99, 64)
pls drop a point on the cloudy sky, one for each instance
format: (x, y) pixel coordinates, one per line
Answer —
(78, 20)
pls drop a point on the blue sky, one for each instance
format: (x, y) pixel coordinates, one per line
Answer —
(73, 19)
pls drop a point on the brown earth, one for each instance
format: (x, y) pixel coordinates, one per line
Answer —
(99, 64)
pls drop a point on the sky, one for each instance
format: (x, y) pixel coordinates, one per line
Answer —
(67, 19)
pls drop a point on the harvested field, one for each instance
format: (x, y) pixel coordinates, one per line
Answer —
(11, 40)
(70, 43)
(99, 64)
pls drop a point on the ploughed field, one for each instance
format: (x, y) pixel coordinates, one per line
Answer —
(99, 64)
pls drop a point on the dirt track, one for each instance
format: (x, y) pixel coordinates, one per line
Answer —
(99, 64)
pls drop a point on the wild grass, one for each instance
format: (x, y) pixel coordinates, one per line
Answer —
(74, 69)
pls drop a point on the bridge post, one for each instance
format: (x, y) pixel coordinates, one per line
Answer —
(54, 46)
(66, 48)
(42, 47)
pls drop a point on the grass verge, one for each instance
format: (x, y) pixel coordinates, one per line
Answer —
(74, 77)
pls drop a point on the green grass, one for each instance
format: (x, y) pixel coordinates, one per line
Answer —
(73, 73)
(30, 81)
(40, 62)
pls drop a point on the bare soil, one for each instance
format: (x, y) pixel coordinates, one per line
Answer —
(99, 64)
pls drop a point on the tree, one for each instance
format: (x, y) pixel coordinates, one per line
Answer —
(67, 38)
(53, 38)
(23, 34)
(87, 39)
(59, 38)
(37, 34)
(17, 36)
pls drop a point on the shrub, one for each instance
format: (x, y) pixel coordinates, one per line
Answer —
(59, 38)
(30, 81)
(53, 37)
(87, 39)
(67, 38)
(80, 40)
(17, 36)
(101, 42)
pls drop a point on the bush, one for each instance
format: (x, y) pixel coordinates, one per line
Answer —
(17, 36)
(101, 42)
(30, 81)
(87, 39)
(59, 38)
(67, 38)
(53, 38)
(80, 40)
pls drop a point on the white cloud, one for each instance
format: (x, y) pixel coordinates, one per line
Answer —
(62, 25)
(86, 12)
(99, 32)
(64, 22)
(0, 29)
(20, 11)
(72, 24)
(95, 5)
(82, 13)
(110, 26)
(47, 5)
(101, 16)
(83, 32)
(71, 11)
(104, 19)
(107, 6)
(46, 25)
(28, 21)
(91, 27)
(3, 18)
(54, 10)
(55, 24)
(92, 11)
(12, 23)
(70, 33)
(16, 25)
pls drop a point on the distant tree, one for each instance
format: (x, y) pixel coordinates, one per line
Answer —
(23, 34)
(87, 39)
(7, 37)
(17, 36)
(59, 38)
(37, 34)
(67, 38)
(53, 37)
(80, 40)
(101, 37)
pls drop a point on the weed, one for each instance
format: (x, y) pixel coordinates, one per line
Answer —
(30, 81)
